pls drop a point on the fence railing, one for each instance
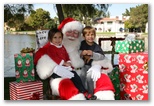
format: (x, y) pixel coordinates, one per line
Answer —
(112, 51)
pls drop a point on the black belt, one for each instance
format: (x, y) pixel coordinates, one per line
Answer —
(78, 68)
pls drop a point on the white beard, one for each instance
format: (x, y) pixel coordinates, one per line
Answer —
(72, 47)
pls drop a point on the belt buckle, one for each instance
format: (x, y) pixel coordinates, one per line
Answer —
(78, 68)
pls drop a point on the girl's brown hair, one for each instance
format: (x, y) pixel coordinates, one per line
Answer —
(88, 29)
(52, 32)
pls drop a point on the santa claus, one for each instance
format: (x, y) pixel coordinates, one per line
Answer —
(63, 87)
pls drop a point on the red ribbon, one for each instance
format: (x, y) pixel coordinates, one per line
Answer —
(35, 96)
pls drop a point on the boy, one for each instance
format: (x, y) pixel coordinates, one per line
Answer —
(90, 51)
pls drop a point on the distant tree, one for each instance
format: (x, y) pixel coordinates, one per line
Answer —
(50, 24)
(85, 13)
(12, 9)
(26, 27)
(138, 17)
(128, 24)
(38, 18)
(14, 14)
(56, 20)
(82, 12)
(17, 21)
(127, 13)
(108, 14)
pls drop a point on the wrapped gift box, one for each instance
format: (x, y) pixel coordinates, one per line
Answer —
(24, 67)
(129, 46)
(133, 76)
(26, 90)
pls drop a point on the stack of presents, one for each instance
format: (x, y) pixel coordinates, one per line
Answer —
(25, 87)
(133, 70)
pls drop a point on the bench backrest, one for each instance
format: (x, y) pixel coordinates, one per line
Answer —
(41, 38)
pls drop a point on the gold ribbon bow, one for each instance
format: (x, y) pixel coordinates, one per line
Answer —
(146, 66)
(27, 50)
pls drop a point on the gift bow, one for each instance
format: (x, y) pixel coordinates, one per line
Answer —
(35, 96)
(130, 37)
(146, 66)
(27, 50)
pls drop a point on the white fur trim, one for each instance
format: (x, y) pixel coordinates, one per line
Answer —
(45, 67)
(73, 25)
(69, 61)
(56, 45)
(79, 96)
(106, 63)
(76, 60)
(54, 83)
(105, 95)
(61, 63)
(73, 52)
(97, 56)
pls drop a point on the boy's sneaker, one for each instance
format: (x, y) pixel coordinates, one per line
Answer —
(89, 96)
(93, 97)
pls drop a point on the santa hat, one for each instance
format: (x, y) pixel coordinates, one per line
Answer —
(70, 24)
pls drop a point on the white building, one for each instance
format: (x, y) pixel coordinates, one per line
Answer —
(111, 24)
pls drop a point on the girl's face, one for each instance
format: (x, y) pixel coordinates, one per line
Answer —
(57, 39)
(90, 37)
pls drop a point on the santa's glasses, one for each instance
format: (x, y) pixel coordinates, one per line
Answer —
(73, 33)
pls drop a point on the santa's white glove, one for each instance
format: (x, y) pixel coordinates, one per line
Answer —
(96, 72)
(68, 68)
(63, 72)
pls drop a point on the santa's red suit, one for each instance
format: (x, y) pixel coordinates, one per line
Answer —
(104, 86)
(63, 87)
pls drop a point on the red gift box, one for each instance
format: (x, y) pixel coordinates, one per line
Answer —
(133, 76)
(26, 90)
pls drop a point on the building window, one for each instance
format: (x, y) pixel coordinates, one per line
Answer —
(100, 29)
(109, 22)
(120, 22)
(109, 29)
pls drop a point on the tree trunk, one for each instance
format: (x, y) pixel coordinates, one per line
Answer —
(60, 12)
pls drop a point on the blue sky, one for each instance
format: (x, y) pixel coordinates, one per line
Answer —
(114, 9)
(118, 9)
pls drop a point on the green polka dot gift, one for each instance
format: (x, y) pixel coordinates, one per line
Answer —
(133, 46)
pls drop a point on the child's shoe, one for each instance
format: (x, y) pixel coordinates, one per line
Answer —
(89, 96)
